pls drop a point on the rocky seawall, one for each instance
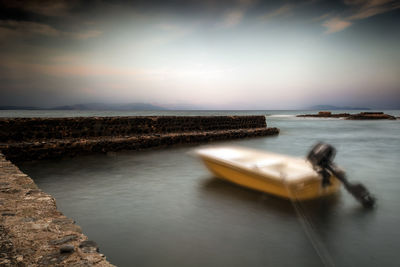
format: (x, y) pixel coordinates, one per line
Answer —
(32, 231)
(347, 116)
(24, 139)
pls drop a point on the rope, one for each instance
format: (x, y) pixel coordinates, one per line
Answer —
(308, 228)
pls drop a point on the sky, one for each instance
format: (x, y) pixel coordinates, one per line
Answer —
(233, 54)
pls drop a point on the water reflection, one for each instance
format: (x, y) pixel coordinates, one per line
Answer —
(322, 207)
(321, 212)
(220, 190)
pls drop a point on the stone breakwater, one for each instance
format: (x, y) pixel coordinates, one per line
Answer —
(32, 231)
(24, 139)
(347, 116)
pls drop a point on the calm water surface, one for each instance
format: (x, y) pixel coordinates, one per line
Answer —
(163, 208)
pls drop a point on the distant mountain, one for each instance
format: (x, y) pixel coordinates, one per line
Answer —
(19, 108)
(184, 107)
(91, 106)
(329, 107)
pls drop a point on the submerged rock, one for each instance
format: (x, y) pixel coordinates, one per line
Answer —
(347, 116)
(325, 114)
(371, 116)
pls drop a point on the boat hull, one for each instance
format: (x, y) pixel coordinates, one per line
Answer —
(302, 190)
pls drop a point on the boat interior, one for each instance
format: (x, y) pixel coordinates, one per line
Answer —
(275, 166)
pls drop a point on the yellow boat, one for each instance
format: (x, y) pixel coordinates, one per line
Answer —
(280, 175)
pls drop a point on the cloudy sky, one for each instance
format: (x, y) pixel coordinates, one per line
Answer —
(234, 54)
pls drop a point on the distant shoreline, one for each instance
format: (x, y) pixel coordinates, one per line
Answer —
(152, 107)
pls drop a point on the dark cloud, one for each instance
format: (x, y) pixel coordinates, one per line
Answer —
(40, 7)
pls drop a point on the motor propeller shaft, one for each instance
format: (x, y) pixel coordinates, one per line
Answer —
(321, 157)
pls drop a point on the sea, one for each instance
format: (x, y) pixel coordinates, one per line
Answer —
(162, 207)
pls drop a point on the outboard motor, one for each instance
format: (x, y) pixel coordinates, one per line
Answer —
(321, 157)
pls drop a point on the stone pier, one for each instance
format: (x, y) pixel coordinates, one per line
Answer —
(24, 139)
(32, 231)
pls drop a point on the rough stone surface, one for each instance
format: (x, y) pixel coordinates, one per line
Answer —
(347, 116)
(42, 129)
(32, 231)
(38, 138)
(63, 240)
(89, 246)
(8, 255)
